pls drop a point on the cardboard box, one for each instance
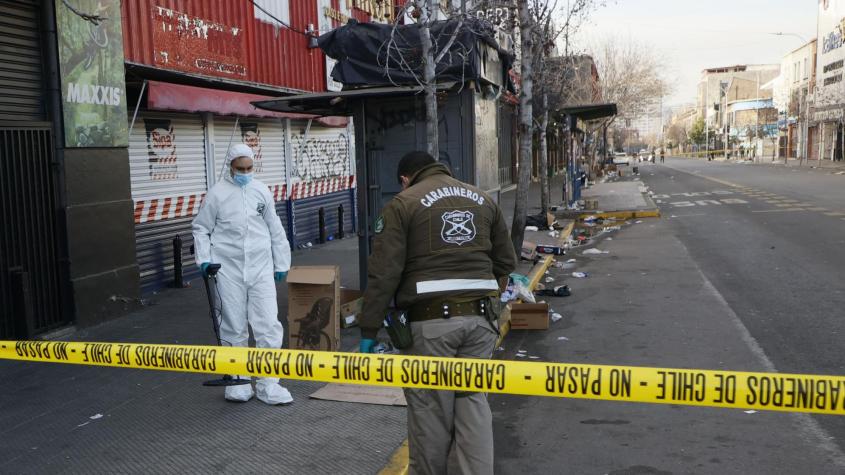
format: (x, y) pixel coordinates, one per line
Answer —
(352, 302)
(314, 307)
(529, 316)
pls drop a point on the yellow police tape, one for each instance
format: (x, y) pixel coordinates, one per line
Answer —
(730, 389)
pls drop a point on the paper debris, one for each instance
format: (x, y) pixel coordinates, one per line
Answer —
(556, 317)
(96, 416)
(580, 275)
(594, 251)
(562, 338)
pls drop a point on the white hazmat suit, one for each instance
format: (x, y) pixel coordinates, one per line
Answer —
(238, 228)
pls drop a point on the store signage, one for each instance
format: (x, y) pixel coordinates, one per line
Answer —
(829, 72)
(251, 136)
(197, 45)
(91, 63)
(379, 10)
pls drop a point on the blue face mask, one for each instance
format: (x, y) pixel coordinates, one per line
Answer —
(242, 179)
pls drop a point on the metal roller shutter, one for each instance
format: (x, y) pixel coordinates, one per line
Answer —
(306, 214)
(322, 176)
(266, 137)
(168, 172)
(20, 62)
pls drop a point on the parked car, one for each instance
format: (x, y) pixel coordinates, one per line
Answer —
(621, 158)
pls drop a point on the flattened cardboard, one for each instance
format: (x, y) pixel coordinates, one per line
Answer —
(529, 316)
(314, 307)
(381, 395)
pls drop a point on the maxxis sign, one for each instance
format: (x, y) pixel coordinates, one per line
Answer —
(830, 88)
(90, 41)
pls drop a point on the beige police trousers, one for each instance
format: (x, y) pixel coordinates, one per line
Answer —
(448, 432)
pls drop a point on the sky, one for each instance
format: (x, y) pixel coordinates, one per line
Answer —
(691, 35)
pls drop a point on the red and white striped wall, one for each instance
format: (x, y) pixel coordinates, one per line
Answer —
(321, 187)
(156, 209)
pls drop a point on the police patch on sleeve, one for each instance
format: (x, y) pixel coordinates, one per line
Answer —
(379, 226)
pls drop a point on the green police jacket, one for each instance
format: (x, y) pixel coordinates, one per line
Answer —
(439, 239)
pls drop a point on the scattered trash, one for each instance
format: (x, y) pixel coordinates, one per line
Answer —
(752, 411)
(83, 424)
(534, 357)
(610, 239)
(96, 416)
(594, 251)
(521, 351)
(570, 261)
(520, 355)
(555, 250)
(385, 348)
(550, 279)
(556, 317)
(532, 228)
(501, 348)
(562, 338)
(559, 291)
(638, 222)
(580, 275)
(589, 219)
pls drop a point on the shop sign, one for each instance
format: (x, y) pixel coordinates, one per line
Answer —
(197, 45)
(90, 39)
(251, 136)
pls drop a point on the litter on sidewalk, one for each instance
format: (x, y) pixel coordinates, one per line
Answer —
(594, 251)
(580, 275)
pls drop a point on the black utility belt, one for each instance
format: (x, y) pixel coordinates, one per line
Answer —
(447, 309)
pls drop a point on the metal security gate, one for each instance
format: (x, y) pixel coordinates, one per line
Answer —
(20, 62)
(167, 165)
(30, 289)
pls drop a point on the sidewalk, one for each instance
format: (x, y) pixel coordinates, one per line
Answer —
(78, 419)
(66, 418)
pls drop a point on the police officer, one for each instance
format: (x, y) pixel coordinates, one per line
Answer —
(443, 251)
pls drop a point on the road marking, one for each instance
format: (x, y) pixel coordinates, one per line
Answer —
(725, 201)
(816, 209)
(778, 210)
(786, 205)
(834, 213)
(806, 423)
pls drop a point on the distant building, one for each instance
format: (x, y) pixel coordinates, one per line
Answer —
(791, 93)
(828, 108)
(722, 85)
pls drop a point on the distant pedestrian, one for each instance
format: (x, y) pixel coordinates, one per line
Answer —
(662, 155)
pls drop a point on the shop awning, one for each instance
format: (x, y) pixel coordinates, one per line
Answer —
(339, 102)
(590, 111)
(181, 98)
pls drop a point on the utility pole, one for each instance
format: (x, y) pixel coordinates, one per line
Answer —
(706, 122)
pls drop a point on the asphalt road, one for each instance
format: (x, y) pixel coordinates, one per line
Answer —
(744, 272)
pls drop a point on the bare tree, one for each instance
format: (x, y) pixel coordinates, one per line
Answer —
(554, 76)
(423, 64)
(630, 75)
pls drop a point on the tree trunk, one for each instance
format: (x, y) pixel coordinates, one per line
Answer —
(429, 65)
(526, 128)
(544, 157)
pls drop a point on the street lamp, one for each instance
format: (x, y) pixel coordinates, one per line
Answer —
(781, 33)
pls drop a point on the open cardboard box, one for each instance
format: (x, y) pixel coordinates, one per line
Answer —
(314, 307)
(529, 316)
(352, 302)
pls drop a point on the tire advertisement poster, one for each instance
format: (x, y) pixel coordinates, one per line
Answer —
(90, 41)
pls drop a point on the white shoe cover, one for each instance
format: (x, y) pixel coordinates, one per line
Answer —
(240, 393)
(269, 391)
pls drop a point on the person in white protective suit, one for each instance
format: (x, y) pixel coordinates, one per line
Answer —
(238, 228)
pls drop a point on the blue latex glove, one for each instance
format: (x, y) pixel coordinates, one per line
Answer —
(366, 345)
(280, 276)
(204, 268)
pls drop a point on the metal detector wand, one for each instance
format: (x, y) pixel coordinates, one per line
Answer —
(211, 275)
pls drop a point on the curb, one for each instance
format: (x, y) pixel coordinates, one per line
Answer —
(645, 213)
(398, 463)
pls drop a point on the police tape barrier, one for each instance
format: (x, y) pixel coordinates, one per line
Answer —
(729, 389)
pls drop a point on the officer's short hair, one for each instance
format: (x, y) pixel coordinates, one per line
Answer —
(413, 162)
